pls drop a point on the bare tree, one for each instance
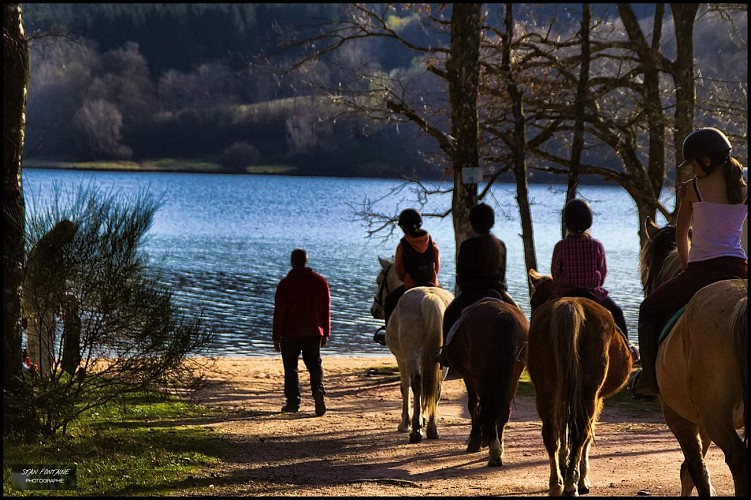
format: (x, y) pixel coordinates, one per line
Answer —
(15, 83)
(462, 72)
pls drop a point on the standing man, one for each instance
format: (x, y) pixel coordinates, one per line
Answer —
(302, 323)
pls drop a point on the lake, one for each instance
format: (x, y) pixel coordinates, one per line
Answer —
(224, 243)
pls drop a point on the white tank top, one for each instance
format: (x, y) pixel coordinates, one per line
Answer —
(717, 229)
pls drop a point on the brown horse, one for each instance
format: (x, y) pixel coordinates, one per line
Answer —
(702, 368)
(576, 359)
(486, 347)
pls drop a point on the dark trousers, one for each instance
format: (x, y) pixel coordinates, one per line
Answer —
(666, 299)
(310, 347)
(617, 312)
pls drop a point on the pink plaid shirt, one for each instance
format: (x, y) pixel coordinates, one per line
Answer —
(579, 264)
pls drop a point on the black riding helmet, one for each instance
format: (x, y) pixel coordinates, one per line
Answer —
(577, 216)
(481, 218)
(709, 142)
(410, 220)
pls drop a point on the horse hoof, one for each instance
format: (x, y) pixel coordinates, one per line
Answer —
(495, 462)
(415, 437)
(473, 448)
(432, 434)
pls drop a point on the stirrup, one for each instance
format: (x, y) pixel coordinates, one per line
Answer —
(632, 385)
(441, 358)
(380, 336)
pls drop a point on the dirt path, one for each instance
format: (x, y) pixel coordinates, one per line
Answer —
(355, 449)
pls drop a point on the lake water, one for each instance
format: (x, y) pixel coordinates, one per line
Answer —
(224, 242)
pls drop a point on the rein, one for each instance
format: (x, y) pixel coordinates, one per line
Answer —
(380, 295)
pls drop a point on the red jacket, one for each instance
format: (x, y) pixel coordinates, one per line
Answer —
(302, 305)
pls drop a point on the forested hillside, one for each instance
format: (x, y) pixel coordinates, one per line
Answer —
(146, 81)
(208, 82)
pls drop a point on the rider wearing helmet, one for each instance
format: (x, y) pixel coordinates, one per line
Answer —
(417, 259)
(579, 265)
(480, 270)
(714, 207)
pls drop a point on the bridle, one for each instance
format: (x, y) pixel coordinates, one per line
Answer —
(383, 288)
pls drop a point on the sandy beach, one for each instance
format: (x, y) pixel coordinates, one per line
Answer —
(355, 449)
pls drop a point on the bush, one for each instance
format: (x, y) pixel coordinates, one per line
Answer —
(239, 155)
(103, 324)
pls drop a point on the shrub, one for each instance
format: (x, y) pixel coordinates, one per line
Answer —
(103, 322)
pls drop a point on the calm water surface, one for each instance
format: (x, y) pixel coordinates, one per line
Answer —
(224, 241)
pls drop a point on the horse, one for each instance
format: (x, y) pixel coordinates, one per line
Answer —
(576, 358)
(487, 349)
(414, 335)
(702, 367)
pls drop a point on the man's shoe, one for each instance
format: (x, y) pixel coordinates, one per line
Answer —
(290, 409)
(320, 403)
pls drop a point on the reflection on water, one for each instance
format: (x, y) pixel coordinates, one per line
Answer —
(223, 242)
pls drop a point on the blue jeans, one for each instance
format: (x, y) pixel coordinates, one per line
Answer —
(310, 347)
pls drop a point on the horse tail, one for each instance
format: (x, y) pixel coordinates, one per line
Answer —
(568, 318)
(495, 401)
(739, 329)
(432, 313)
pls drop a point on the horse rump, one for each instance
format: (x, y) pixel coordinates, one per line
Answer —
(739, 329)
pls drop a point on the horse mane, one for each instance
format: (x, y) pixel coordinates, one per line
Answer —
(659, 260)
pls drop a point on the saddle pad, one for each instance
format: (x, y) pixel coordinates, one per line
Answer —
(670, 324)
(463, 315)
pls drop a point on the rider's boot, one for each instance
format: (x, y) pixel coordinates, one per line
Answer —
(441, 358)
(644, 385)
(631, 347)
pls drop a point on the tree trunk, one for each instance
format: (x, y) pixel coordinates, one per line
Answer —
(518, 149)
(580, 108)
(685, 92)
(463, 75)
(15, 84)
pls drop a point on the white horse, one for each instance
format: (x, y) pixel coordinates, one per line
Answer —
(414, 335)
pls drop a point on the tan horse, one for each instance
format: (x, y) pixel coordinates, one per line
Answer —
(702, 369)
(414, 335)
(576, 359)
(487, 348)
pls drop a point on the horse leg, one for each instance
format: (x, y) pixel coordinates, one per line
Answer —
(404, 387)
(495, 452)
(431, 430)
(496, 444)
(416, 435)
(693, 469)
(584, 483)
(573, 474)
(720, 429)
(475, 434)
(551, 439)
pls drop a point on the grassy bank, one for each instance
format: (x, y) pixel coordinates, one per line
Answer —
(143, 445)
(162, 165)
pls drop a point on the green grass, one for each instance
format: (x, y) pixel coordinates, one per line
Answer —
(160, 165)
(145, 445)
(620, 400)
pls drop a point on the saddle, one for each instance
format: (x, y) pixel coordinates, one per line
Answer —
(669, 324)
